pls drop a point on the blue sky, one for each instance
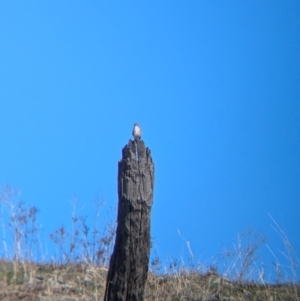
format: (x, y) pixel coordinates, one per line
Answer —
(215, 86)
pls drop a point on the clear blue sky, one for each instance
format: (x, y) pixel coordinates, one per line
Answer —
(215, 86)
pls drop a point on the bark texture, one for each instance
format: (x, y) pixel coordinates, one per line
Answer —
(128, 268)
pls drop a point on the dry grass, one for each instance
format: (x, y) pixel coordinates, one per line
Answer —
(193, 286)
(74, 282)
(79, 268)
(51, 282)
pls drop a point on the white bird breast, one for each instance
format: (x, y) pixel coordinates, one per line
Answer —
(137, 131)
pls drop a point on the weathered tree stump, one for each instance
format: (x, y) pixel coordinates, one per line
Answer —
(129, 262)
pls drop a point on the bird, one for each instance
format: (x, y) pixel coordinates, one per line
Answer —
(136, 132)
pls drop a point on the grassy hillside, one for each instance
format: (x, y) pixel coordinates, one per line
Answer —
(75, 282)
(78, 269)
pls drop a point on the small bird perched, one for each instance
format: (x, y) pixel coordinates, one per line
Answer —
(136, 132)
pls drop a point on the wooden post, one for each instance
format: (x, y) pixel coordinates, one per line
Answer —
(129, 262)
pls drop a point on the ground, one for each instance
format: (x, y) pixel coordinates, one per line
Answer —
(80, 282)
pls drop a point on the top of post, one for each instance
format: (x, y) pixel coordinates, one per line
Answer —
(136, 149)
(136, 171)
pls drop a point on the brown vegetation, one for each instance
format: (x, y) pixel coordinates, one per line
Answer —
(79, 270)
(79, 282)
